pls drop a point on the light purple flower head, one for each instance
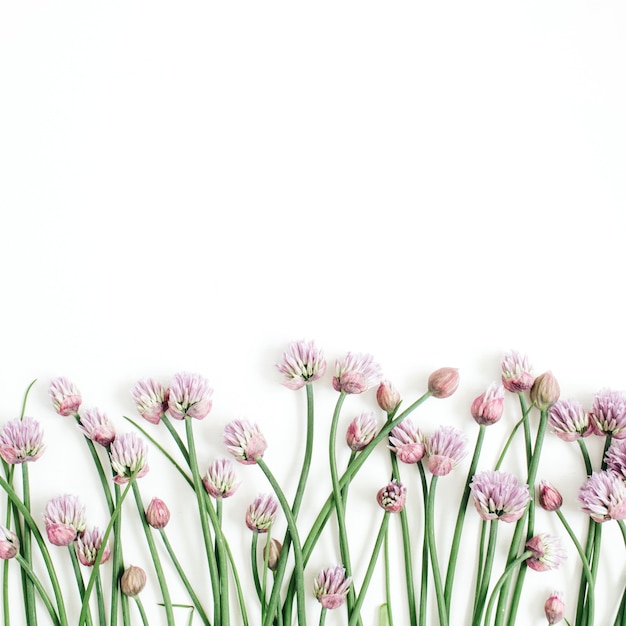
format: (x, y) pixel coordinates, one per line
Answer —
(361, 430)
(357, 373)
(499, 495)
(64, 518)
(554, 607)
(407, 441)
(21, 441)
(303, 362)
(331, 587)
(9, 544)
(603, 496)
(392, 497)
(615, 457)
(547, 552)
(261, 513)
(87, 546)
(488, 407)
(445, 449)
(608, 413)
(569, 421)
(95, 425)
(151, 399)
(66, 398)
(388, 397)
(517, 373)
(129, 454)
(190, 396)
(220, 480)
(245, 441)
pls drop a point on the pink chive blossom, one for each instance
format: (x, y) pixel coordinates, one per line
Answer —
(547, 552)
(499, 495)
(545, 391)
(608, 413)
(549, 498)
(261, 513)
(95, 425)
(331, 587)
(151, 399)
(442, 383)
(244, 441)
(392, 497)
(66, 398)
(157, 514)
(303, 362)
(21, 441)
(190, 396)
(388, 397)
(361, 430)
(9, 544)
(568, 420)
(220, 480)
(488, 407)
(88, 545)
(615, 457)
(517, 372)
(445, 448)
(554, 607)
(356, 373)
(603, 496)
(128, 455)
(64, 518)
(407, 441)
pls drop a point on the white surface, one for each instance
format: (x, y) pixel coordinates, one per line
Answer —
(192, 187)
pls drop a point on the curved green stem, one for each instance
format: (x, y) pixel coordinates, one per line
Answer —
(432, 548)
(308, 451)
(142, 612)
(254, 547)
(80, 583)
(39, 587)
(480, 563)
(424, 578)
(486, 573)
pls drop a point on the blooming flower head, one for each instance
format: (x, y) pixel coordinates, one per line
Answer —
(361, 430)
(488, 407)
(499, 495)
(554, 607)
(95, 425)
(151, 399)
(442, 383)
(9, 544)
(388, 397)
(569, 420)
(545, 391)
(66, 398)
(129, 454)
(356, 373)
(445, 448)
(303, 362)
(157, 514)
(133, 581)
(407, 441)
(21, 441)
(608, 413)
(220, 480)
(261, 513)
(392, 497)
(190, 396)
(549, 498)
(615, 457)
(64, 518)
(517, 373)
(547, 552)
(603, 496)
(244, 441)
(331, 586)
(87, 546)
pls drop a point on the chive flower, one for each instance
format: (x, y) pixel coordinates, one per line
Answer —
(361, 430)
(303, 362)
(445, 449)
(190, 396)
(151, 399)
(220, 479)
(21, 441)
(568, 420)
(487, 408)
(64, 518)
(331, 587)
(498, 495)
(9, 544)
(608, 413)
(261, 513)
(603, 496)
(407, 442)
(356, 373)
(128, 454)
(517, 372)
(95, 425)
(66, 398)
(87, 546)
(547, 552)
(245, 441)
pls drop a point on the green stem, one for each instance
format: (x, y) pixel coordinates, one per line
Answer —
(80, 583)
(388, 581)
(323, 616)
(29, 590)
(266, 557)
(508, 443)
(481, 562)
(102, 618)
(622, 527)
(142, 612)
(240, 594)
(39, 587)
(118, 569)
(254, 547)
(486, 573)
(308, 451)
(5, 593)
(176, 437)
(424, 578)
(527, 435)
(432, 548)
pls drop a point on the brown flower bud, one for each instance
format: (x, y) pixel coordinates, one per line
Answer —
(545, 391)
(133, 580)
(157, 514)
(443, 382)
(274, 555)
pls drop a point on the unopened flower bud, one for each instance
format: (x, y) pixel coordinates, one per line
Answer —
(554, 608)
(133, 581)
(274, 553)
(9, 544)
(443, 382)
(549, 498)
(157, 514)
(361, 430)
(487, 408)
(388, 397)
(545, 391)
(392, 497)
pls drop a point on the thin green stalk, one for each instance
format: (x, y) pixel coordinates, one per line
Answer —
(117, 569)
(254, 547)
(508, 443)
(240, 594)
(102, 618)
(432, 548)
(80, 583)
(39, 587)
(176, 437)
(622, 527)
(142, 612)
(388, 581)
(486, 573)
(481, 562)
(29, 590)
(308, 451)
(323, 616)
(424, 578)
(266, 558)
(5, 593)
(527, 436)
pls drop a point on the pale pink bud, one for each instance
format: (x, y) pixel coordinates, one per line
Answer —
(151, 399)
(302, 363)
(64, 518)
(261, 513)
(244, 441)
(88, 545)
(443, 382)
(549, 498)
(9, 544)
(361, 430)
(547, 552)
(517, 373)
(488, 407)
(21, 441)
(133, 581)
(95, 425)
(220, 480)
(388, 397)
(157, 514)
(66, 398)
(331, 586)
(356, 373)
(545, 391)
(554, 608)
(392, 497)
(190, 396)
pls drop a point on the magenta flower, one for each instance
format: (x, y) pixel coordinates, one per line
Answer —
(569, 421)
(615, 457)
(608, 413)
(157, 514)
(488, 407)
(220, 480)
(128, 455)
(388, 397)
(331, 586)
(554, 607)
(549, 498)
(21, 441)
(261, 513)
(361, 430)
(302, 363)
(603, 496)
(499, 495)
(190, 396)
(87, 546)
(9, 544)
(357, 373)
(517, 373)
(392, 497)
(407, 441)
(547, 552)
(64, 518)
(442, 383)
(151, 399)
(95, 425)
(545, 391)
(244, 441)
(445, 448)
(66, 398)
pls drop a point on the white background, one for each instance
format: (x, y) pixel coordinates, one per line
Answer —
(192, 186)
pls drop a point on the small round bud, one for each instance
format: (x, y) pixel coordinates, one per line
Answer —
(443, 382)
(9, 544)
(554, 608)
(549, 498)
(488, 407)
(157, 514)
(133, 581)
(388, 397)
(274, 554)
(545, 391)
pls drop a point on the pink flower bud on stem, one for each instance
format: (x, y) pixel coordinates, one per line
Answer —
(443, 382)
(545, 391)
